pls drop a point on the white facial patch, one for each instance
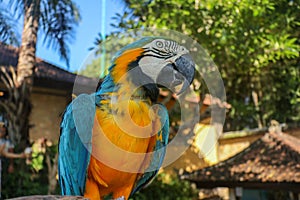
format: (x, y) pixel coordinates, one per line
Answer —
(160, 53)
(152, 67)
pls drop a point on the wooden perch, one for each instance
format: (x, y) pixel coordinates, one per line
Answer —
(49, 197)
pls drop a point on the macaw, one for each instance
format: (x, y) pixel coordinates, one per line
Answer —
(113, 142)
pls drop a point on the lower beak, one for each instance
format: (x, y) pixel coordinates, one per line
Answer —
(177, 77)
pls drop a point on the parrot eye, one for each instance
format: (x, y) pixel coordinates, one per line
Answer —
(163, 46)
(159, 44)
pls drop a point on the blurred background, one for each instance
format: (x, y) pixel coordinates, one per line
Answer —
(46, 45)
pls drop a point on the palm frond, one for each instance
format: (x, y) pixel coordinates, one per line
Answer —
(17, 7)
(58, 20)
(8, 32)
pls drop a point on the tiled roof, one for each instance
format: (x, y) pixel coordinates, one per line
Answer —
(274, 158)
(44, 71)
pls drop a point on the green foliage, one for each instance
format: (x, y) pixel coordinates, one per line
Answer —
(23, 182)
(39, 151)
(255, 44)
(91, 69)
(103, 53)
(167, 187)
(30, 179)
(37, 162)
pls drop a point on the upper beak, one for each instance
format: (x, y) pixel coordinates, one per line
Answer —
(178, 76)
(186, 66)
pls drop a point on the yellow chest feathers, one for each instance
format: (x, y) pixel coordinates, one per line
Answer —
(128, 125)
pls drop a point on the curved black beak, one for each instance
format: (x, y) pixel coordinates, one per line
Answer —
(186, 66)
(178, 75)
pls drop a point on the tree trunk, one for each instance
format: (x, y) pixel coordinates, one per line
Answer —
(26, 62)
(26, 66)
(52, 170)
(257, 109)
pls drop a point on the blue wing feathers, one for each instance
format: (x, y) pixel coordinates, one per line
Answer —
(75, 144)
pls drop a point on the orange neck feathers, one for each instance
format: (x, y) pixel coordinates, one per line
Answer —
(122, 63)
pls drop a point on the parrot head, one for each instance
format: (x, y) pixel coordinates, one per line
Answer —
(157, 62)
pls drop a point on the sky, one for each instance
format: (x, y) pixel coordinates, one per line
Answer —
(86, 32)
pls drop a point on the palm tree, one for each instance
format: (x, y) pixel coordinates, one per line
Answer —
(56, 19)
(7, 28)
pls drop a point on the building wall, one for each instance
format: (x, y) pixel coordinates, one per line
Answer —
(190, 160)
(200, 154)
(46, 115)
(193, 158)
(230, 147)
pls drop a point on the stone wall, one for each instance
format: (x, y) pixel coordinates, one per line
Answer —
(46, 115)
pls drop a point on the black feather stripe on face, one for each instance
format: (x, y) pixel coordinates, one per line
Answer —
(139, 78)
